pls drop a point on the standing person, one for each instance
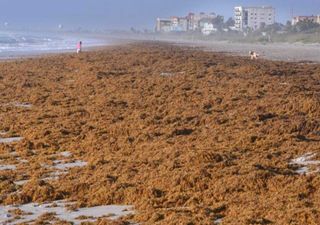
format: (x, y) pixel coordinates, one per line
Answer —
(79, 47)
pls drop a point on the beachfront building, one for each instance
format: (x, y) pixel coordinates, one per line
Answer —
(297, 19)
(179, 24)
(253, 17)
(197, 21)
(208, 29)
(163, 25)
(174, 24)
(192, 22)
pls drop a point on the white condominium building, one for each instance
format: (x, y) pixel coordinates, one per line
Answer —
(253, 17)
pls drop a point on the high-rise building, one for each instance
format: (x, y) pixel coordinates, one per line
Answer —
(197, 21)
(179, 24)
(163, 25)
(253, 17)
(192, 22)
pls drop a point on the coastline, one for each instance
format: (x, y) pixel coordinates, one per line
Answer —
(278, 51)
(25, 45)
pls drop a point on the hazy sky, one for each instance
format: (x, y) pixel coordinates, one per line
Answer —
(122, 14)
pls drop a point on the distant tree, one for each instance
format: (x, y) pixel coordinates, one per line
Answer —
(230, 22)
(288, 27)
(263, 25)
(132, 30)
(289, 23)
(305, 26)
(270, 28)
(275, 27)
(218, 22)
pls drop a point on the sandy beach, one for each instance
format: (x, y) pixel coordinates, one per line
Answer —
(276, 51)
(166, 134)
(290, 52)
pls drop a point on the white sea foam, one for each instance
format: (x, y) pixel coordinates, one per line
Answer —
(18, 43)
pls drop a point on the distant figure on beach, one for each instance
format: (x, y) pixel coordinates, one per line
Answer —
(253, 55)
(79, 47)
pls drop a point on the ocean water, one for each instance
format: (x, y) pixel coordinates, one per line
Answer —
(15, 44)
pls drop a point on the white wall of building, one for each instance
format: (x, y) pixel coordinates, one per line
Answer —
(192, 22)
(208, 29)
(238, 18)
(179, 24)
(253, 17)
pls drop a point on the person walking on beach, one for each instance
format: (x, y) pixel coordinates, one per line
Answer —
(79, 47)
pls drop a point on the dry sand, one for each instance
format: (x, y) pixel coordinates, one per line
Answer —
(290, 52)
(276, 51)
(183, 135)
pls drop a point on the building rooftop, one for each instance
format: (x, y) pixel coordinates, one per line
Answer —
(163, 19)
(256, 7)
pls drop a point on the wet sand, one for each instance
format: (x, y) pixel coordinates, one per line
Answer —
(184, 136)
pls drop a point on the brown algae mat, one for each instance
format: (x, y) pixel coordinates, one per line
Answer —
(184, 136)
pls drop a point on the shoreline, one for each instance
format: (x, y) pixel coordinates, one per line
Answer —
(24, 44)
(217, 48)
(44, 54)
(279, 51)
(288, 52)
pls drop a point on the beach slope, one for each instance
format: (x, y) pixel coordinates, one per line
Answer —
(182, 135)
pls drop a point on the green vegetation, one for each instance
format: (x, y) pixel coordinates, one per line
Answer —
(303, 32)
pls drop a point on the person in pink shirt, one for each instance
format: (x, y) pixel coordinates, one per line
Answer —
(79, 47)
